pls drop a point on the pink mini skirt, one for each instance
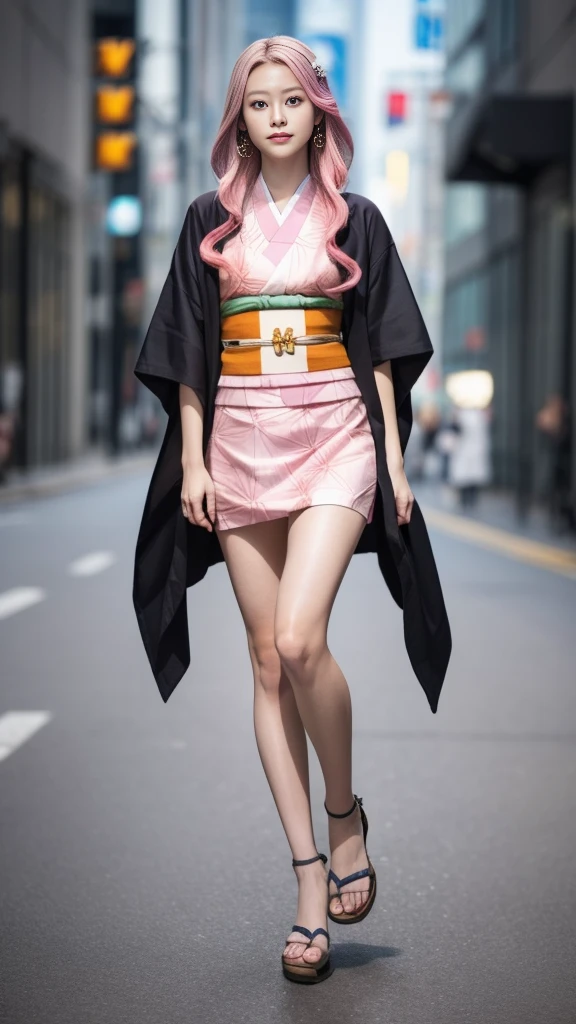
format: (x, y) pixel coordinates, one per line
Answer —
(276, 449)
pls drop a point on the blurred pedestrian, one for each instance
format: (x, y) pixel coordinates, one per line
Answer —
(446, 441)
(554, 422)
(430, 419)
(6, 440)
(288, 393)
(10, 393)
(469, 466)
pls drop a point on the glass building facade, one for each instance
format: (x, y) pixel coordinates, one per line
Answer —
(509, 226)
(34, 320)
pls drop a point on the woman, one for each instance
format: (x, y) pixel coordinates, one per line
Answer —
(272, 351)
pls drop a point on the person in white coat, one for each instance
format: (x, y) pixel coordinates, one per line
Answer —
(470, 461)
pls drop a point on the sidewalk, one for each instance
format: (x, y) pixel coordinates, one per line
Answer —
(91, 469)
(495, 509)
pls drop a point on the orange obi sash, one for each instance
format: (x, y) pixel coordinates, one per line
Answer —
(264, 341)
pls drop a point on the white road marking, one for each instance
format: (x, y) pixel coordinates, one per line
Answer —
(88, 565)
(18, 726)
(15, 600)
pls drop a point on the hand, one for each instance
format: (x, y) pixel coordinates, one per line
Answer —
(196, 484)
(402, 493)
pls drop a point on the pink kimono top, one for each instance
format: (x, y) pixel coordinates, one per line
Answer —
(282, 253)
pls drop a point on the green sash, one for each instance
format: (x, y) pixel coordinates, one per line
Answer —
(247, 303)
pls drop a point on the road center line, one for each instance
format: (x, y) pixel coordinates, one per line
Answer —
(18, 726)
(88, 565)
(19, 598)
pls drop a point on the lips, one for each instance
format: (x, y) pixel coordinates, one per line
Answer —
(280, 135)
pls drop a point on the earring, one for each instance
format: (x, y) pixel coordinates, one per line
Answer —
(319, 136)
(244, 143)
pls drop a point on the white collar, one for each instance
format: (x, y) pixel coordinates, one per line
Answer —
(281, 215)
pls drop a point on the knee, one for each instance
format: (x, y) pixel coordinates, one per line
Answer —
(267, 666)
(299, 650)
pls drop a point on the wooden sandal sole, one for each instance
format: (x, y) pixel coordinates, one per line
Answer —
(308, 975)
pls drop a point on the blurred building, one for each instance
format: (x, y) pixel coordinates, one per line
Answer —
(510, 272)
(335, 30)
(183, 55)
(44, 74)
(268, 18)
(402, 112)
(216, 37)
(114, 242)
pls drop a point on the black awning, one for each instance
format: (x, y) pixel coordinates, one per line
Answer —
(509, 138)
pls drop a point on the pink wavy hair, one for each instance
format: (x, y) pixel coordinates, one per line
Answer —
(328, 166)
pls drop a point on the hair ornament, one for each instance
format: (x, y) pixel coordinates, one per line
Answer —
(319, 70)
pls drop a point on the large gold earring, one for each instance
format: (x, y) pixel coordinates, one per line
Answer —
(244, 143)
(319, 137)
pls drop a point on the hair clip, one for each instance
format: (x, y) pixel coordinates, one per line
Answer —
(319, 70)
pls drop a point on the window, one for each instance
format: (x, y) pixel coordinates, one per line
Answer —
(465, 210)
(501, 31)
(465, 75)
(465, 336)
(461, 17)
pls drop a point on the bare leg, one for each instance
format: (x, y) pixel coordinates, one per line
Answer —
(321, 541)
(255, 557)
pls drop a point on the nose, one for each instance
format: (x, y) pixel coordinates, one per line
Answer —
(278, 116)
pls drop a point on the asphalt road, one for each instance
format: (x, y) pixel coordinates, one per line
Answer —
(144, 873)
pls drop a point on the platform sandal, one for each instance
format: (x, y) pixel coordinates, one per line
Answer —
(346, 917)
(308, 973)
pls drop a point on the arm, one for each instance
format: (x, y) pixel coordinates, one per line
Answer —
(400, 348)
(192, 417)
(383, 375)
(196, 482)
(394, 458)
(172, 354)
(172, 363)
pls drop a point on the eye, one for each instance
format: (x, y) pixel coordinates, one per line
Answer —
(298, 99)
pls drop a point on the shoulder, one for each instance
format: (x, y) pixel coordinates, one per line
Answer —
(361, 203)
(203, 203)
(206, 211)
(368, 218)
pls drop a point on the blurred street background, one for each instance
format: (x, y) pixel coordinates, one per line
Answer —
(144, 876)
(463, 119)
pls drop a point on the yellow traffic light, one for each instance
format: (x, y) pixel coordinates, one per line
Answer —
(114, 150)
(114, 56)
(114, 104)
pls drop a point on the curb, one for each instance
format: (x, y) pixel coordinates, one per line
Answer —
(503, 542)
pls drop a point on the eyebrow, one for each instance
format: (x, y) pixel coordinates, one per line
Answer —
(264, 92)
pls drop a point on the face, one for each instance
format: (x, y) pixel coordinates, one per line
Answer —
(275, 104)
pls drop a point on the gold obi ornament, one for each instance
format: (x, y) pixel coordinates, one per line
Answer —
(254, 341)
(285, 341)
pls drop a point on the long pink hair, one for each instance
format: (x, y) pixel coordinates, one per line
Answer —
(328, 166)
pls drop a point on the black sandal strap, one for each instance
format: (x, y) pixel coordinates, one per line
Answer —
(357, 800)
(310, 935)
(319, 856)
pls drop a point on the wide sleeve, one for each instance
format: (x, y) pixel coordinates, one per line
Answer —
(173, 351)
(395, 326)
